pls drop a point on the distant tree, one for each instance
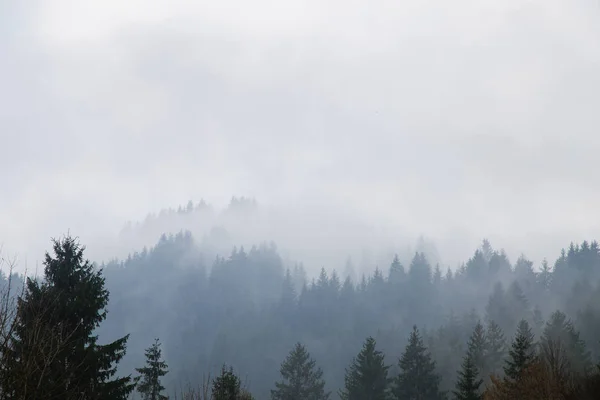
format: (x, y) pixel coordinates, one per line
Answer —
(477, 347)
(302, 380)
(367, 376)
(544, 278)
(477, 267)
(538, 320)
(495, 349)
(397, 274)
(419, 273)
(437, 275)
(417, 378)
(150, 386)
(497, 309)
(468, 384)
(288, 291)
(559, 330)
(522, 352)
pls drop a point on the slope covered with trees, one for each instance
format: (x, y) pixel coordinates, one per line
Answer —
(249, 322)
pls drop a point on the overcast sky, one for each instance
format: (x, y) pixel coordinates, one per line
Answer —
(455, 119)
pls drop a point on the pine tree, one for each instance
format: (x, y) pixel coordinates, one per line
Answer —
(467, 386)
(150, 386)
(522, 352)
(367, 376)
(495, 345)
(226, 386)
(302, 380)
(417, 378)
(55, 325)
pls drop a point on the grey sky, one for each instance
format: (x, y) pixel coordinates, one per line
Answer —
(458, 119)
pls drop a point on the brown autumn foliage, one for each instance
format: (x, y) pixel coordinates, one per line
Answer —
(549, 378)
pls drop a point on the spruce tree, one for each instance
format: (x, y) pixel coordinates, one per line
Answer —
(417, 378)
(150, 386)
(467, 386)
(55, 325)
(477, 347)
(226, 386)
(367, 376)
(302, 380)
(522, 352)
(495, 348)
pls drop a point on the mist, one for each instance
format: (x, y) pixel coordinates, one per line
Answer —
(457, 122)
(212, 156)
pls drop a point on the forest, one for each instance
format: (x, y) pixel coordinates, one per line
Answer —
(177, 321)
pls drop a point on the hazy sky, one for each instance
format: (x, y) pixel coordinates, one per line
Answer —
(456, 119)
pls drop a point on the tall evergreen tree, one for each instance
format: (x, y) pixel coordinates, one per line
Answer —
(302, 380)
(417, 379)
(522, 352)
(495, 344)
(396, 273)
(150, 386)
(467, 386)
(477, 347)
(226, 386)
(55, 325)
(367, 377)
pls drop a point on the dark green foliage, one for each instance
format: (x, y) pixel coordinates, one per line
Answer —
(367, 376)
(55, 354)
(242, 311)
(226, 386)
(149, 385)
(417, 378)
(302, 379)
(468, 384)
(522, 352)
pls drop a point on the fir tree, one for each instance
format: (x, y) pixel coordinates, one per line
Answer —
(495, 348)
(544, 277)
(396, 273)
(522, 352)
(417, 378)
(302, 380)
(467, 386)
(150, 386)
(367, 377)
(477, 347)
(226, 386)
(59, 316)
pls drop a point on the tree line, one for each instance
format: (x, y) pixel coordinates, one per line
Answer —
(248, 313)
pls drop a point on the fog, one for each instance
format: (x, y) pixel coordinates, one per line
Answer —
(454, 121)
(311, 134)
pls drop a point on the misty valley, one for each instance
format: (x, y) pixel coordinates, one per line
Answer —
(188, 319)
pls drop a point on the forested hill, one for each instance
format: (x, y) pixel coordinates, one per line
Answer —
(247, 310)
(314, 235)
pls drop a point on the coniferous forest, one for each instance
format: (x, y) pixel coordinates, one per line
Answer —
(170, 322)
